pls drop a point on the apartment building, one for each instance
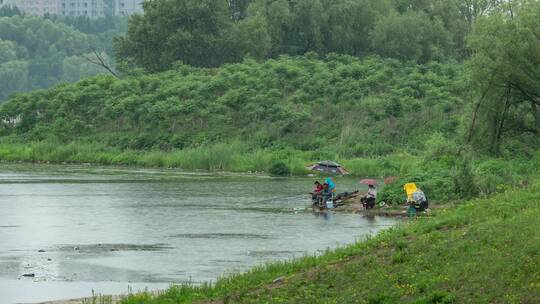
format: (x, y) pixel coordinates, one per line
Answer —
(128, 7)
(90, 8)
(34, 7)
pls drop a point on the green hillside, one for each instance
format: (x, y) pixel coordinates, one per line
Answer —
(339, 103)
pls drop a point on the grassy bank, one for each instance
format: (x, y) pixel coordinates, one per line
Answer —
(233, 157)
(481, 251)
(445, 175)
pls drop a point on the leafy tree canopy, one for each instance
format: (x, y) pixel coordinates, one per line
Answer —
(209, 33)
(505, 71)
(39, 52)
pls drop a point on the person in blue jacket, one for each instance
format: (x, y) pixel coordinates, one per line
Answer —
(331, 185)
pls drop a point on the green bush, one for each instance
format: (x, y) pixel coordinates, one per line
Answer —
(494, 174)
(463, 176)
(279, 168)
(437, 185)
(393, 194)
(536, 161)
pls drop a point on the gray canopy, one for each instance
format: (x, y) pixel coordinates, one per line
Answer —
(328, 167)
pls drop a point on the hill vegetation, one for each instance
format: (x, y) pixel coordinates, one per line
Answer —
(338, 103)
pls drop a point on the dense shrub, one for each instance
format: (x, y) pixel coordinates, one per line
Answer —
(438, 186)
(279, 168)
(495, 175)
(464, 178)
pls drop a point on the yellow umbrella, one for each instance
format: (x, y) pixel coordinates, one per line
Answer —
(409, 188)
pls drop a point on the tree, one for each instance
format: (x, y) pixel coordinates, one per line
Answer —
(279, 19)
(471, 10)
(505, 69)
(13, 77)
(411, 36)
(239, 8)
(350, 25)
(252, 37)
(195, 32)
(9, 11)
(7, 51)
(43, 44)
(306, 34)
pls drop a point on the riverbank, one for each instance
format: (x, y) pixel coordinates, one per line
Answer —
(90, 300)
(353, 204)
(232, 157)
(389, 211)
(481, 251)
(443, 175)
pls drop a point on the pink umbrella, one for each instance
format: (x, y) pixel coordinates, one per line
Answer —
(368, 181)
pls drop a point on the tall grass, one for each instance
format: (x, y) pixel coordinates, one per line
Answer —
(489, 174)
(234, 157)
(393, 164)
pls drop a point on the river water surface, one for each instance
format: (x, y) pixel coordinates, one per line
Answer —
(78, 228)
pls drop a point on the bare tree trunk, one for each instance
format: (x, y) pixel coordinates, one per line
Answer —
(499, 130)
(496, 123)
(475, 112)
(473, 122)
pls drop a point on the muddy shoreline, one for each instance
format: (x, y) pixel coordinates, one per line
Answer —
(105, 299)
(353, 205)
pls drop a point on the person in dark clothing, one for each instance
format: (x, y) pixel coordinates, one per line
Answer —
(420, 199)
(368, 201)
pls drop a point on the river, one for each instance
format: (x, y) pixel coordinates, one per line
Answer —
(78, 228)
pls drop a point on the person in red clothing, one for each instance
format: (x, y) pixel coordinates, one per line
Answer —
(318, 188)
(316, 195)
